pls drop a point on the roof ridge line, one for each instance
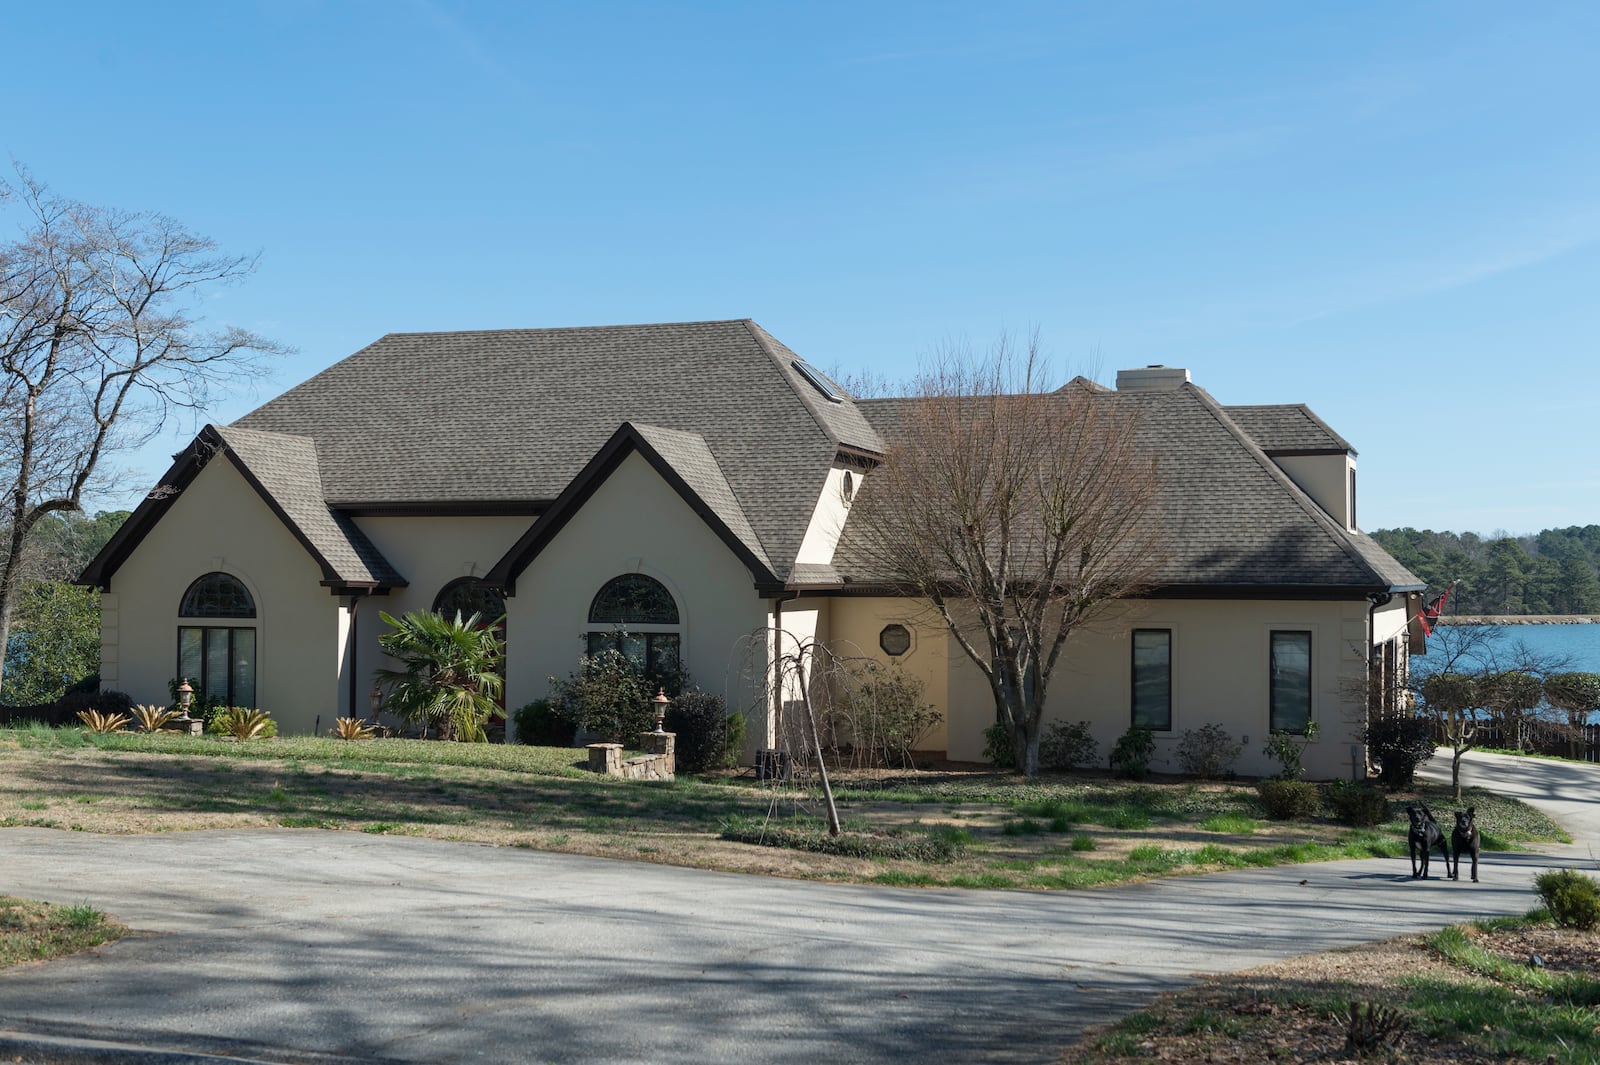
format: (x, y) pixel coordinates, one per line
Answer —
(556, 328)
(777, 361)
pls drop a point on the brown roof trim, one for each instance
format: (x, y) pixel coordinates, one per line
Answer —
(186, 465)
(1302, 452)
(205, 447)
(1268, 591)
(857, 456)
(625, 441)
(466, 508)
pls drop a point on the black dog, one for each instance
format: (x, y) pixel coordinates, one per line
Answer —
(1425, 835)
(1464, 837)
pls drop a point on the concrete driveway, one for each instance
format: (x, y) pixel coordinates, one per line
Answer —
(314, 946)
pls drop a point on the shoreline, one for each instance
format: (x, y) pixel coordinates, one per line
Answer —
(1521, 619)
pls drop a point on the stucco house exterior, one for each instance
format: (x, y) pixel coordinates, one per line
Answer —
(691, 484)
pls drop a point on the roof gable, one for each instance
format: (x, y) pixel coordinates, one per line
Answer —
(283, 472)
(685, 462)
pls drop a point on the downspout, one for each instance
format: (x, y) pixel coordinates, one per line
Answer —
(777, 652)
(1377, 601)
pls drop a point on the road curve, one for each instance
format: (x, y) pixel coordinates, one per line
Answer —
(321, 946)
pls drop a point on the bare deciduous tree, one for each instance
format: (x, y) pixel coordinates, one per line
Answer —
(100, 343)
(1019, 513)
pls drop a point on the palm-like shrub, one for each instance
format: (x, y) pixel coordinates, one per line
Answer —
(451, 676)
(154, 718)
(243, 723)
(95, 721)
(351, 728)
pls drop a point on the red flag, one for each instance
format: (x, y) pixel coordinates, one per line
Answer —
(1432, 609)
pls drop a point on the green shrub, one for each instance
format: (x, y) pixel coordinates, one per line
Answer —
(1131, 756)
(1067, 744)
(884, 713)
(1208, 752)
(1355, 804)
(708, 736)
(1289, 800)
(538, 725)
(997, 748)
(1398, 744)
(608, 697)
(1572, 898)
(1287, 748)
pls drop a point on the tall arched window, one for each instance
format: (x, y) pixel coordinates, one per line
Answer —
(642, 622)
(219, 660)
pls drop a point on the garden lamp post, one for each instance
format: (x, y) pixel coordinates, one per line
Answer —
(185, 698)
(375, 699)
(661, 702)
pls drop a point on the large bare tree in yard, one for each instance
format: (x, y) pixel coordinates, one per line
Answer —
(100, 343)
(1018, 512)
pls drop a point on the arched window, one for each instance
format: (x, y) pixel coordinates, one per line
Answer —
(217, 595)
(634, 599)
(219, 661)
(468, 596)
(643, 618)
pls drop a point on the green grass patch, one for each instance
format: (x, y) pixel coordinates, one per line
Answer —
(1231, 824)
(36, 931)
(901, 844)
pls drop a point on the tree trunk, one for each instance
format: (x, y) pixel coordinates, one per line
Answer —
(10, 574)
(816, 744)
(1455, 772)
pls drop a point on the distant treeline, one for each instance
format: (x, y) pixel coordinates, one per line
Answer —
(1553, 572)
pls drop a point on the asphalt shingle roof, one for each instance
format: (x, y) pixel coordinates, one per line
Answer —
(1230, 516)
(514, 414)
(1287, 427)
(287, 469)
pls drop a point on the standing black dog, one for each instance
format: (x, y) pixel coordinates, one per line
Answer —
(1425, 835)
(1464, 837)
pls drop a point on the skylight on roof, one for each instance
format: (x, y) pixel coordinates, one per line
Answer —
(819, 382)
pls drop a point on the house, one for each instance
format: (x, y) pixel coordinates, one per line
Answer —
(690, 484)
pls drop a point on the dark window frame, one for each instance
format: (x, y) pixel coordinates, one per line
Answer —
(202, 682)
(883, 635)
(1133, 679)
(1274, 686)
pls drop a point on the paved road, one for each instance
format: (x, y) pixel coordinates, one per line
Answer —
(316, 946)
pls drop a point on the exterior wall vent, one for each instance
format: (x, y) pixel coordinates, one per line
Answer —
(1152, 379)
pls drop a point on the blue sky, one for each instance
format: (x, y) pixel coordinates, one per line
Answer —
(1388, 211)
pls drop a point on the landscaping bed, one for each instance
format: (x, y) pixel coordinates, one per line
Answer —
(37, 931)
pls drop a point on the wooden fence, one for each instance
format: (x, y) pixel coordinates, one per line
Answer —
(1582, 743)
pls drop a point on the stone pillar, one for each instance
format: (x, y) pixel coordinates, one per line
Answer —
(605, 758)
(664, 744)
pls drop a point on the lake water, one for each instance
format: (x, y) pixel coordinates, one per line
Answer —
(1578, 644)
